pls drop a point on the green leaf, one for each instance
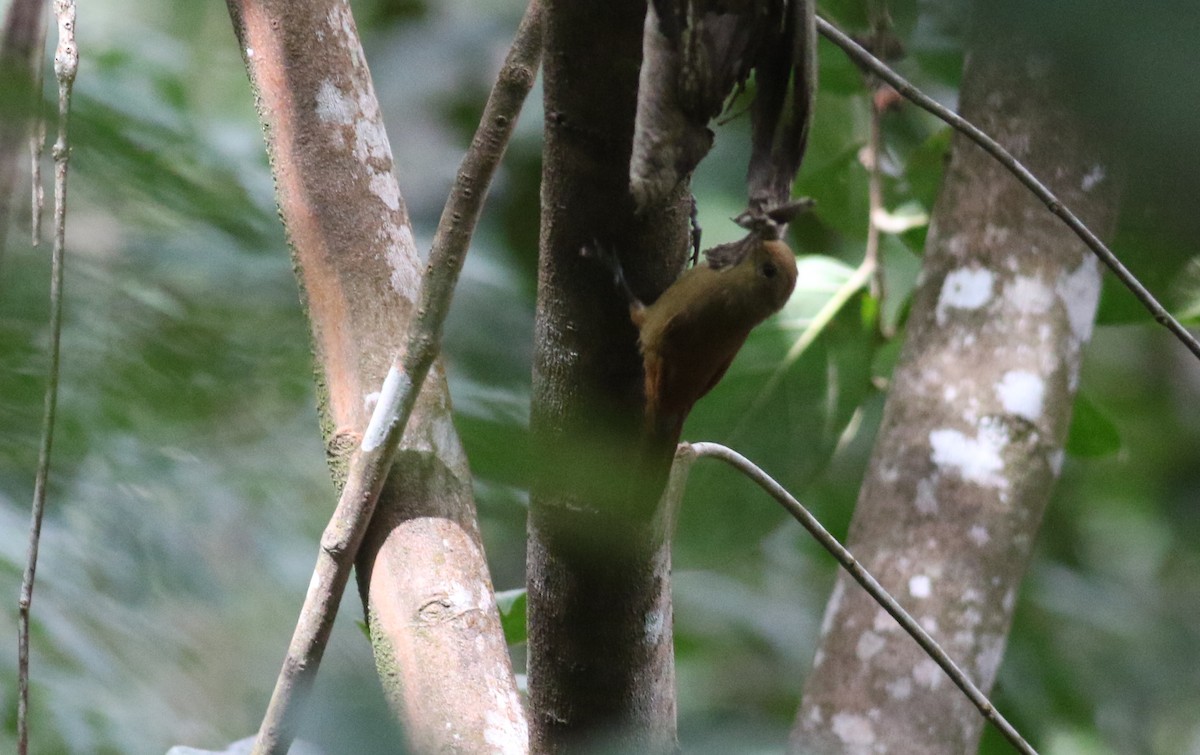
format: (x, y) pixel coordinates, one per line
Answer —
(927, 164)
(512, 615)
(1092, 433)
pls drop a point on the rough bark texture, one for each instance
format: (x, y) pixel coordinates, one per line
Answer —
(421, 570)
(600, 650)
(971, 440)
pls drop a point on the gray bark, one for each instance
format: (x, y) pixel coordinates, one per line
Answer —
(972, 435)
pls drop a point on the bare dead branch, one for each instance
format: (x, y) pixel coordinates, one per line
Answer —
(863, 58)
(66, 64)
(370, 465)
(864, 578)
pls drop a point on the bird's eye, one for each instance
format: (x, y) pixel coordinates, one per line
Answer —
(768, 270)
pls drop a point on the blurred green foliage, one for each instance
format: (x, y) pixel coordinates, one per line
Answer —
(188, 488)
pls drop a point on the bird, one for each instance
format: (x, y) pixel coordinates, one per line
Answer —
(690, 334)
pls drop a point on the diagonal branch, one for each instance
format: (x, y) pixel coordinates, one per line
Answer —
(863, 577)
(868, 61)
(370, 465)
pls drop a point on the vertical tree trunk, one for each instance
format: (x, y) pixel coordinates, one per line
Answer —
(972, 434)
(600, 650)
(438, 643)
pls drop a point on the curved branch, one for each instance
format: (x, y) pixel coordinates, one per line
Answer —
(869, 583)
(868, 61)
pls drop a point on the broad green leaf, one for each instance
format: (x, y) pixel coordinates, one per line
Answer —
(512, 615)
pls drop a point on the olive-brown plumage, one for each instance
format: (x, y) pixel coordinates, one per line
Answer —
(690, 334)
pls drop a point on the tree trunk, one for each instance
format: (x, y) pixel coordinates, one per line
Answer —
(438, 643)
(972, 434)
(600, 649)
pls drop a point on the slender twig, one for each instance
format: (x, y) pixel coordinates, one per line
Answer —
(875, 201)
(370, 465)
(37, 136)
(22, 44)
(869, 583)
(66, 63)
(865, 59)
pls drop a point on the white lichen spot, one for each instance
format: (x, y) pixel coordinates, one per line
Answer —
(868, 645)
(462, 597)
(1009, 600)
(900, 689)
(340, 20)
(653, 627)
(971, 617)
(1093, 177)
(929, 624)
(965, 288)
(1029, 295)
(402, 259)
(333, 106)
(1079, 291)
(249, 52)
(853, 730)
(978, 534)
(384, 186)
(1055, 460)
(971, 595)
(975, 459)
(949, 393)
(370, 400)
(370, 140)
(503, 734)
(815, 715)
(884, 622)
(818, 658)
(928, 674)
(1021, 393)
(920, 586)
(926, 500)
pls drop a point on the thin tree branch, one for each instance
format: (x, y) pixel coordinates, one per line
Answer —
(875, 201)
(37, 134)
(868, 61)
(370, 465)
(66, 63)
(864, 578)
(22, 42)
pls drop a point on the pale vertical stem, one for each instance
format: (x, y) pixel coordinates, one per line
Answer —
(66, 63)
